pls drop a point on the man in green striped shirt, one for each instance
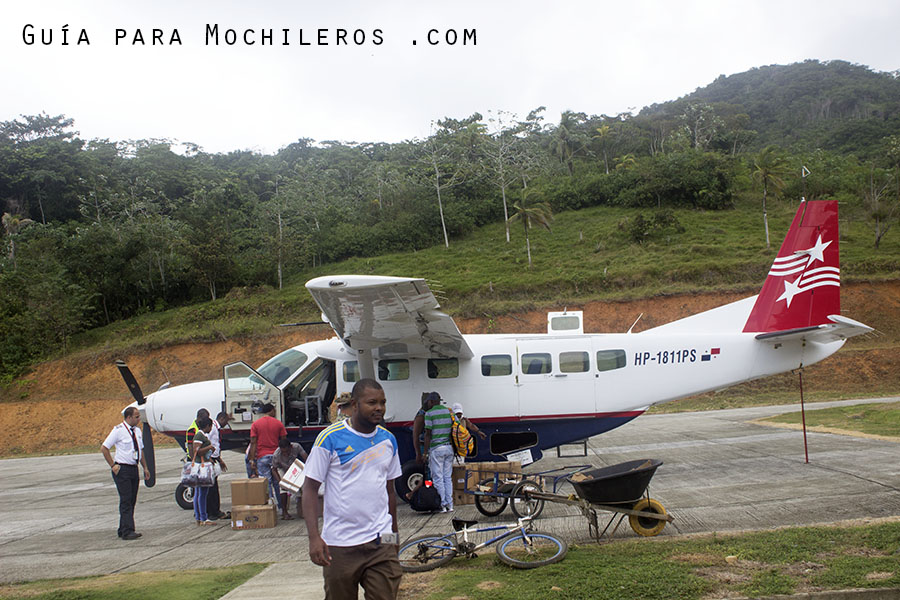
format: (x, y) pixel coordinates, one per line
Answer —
(438, 422)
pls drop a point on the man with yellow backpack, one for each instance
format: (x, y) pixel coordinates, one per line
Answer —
(461, 434)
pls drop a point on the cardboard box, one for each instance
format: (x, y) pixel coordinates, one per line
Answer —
(249, 492)
(461, 498)
(253, 516)
(293, 478)
(459, 478)
(460, 483)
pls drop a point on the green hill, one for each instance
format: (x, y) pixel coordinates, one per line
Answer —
(588, 255)
(833, 105)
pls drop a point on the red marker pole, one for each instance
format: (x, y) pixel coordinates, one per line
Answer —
(803, 416)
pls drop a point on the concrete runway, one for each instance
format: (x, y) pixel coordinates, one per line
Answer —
(721, 473)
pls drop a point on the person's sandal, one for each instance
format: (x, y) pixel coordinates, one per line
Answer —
(207, 522)
(287, 517)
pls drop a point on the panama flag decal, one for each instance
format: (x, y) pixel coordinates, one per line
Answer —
(711, 354)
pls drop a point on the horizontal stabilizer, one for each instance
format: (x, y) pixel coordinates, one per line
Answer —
(839, 329)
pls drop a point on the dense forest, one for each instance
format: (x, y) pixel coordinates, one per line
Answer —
(99, 230)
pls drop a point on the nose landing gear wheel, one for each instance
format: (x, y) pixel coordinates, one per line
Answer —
(184, 496)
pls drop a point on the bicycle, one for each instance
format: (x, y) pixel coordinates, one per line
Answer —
(518, 546)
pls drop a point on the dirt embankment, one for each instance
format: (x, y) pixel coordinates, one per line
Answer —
(74, 401)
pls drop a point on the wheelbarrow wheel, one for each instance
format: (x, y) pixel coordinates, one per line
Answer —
(521, 505)
(647, 526)
(490, 506)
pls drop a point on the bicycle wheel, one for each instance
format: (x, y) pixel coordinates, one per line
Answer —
(531, 550)
(490, 506)
(426, 553)
(523, 506)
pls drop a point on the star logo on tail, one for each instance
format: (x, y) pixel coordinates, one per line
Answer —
(817, 252)
(799, 262)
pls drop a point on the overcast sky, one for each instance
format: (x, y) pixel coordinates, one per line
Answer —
(593, 56)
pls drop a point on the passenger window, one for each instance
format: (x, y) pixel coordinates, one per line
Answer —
(573, 362)
(351, 372)
(536, 364)
(393, 369)
(565, 323)
(607, 360)
(443, 368)
(496, 365)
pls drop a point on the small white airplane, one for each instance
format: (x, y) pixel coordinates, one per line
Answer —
(527, 392)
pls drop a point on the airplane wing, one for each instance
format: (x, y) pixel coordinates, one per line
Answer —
(840, 328)
(394, 317)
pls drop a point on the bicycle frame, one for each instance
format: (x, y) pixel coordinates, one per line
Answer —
(510, 528)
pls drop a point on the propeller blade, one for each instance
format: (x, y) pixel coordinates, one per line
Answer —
(149, 456)
(131, 382)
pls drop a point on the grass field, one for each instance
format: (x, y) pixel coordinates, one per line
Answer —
(718, 566)
(198, 584)
(881, 420)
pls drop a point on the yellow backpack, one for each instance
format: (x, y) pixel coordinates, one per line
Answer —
(462, 440)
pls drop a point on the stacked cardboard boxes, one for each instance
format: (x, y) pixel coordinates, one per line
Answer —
(250, 507)
(469, 476)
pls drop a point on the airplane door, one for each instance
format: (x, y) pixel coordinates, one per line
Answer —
(243, 388)
(555, 377)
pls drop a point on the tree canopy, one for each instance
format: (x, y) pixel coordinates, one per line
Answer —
(99, 230)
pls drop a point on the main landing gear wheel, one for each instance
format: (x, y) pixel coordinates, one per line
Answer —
(491, 506)
(411, 476)
(425, 553)
(184, 496)
(647, 526)
(533, 550)
(521, 504)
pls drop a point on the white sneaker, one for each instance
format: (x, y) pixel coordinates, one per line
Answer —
(449, 509)
(445, 509)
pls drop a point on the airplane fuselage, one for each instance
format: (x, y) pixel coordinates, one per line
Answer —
(526, 392)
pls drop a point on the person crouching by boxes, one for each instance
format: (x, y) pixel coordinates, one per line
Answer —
(282, 460)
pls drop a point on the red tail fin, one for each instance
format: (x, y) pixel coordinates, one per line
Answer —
(804, 283)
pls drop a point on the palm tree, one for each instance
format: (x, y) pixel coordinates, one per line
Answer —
(13, 224)
(769, 168)
(603, 134)
(530, 213)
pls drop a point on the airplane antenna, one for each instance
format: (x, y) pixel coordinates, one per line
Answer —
(804, 173)
(635, 323)
(166, 375)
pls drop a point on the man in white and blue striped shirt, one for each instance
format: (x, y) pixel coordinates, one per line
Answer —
(357, 461)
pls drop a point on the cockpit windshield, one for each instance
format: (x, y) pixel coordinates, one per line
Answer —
(278, 368)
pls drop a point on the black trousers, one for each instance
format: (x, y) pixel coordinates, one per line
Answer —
(127, 482)
(212, 501)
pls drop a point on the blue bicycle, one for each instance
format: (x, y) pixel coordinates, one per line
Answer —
(518, 546)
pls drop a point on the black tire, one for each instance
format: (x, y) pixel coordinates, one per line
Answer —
(426, 553)
(184, 496)
(541, 549)
(647, 526)
(523, 506)
(411, 474)
(490, 506)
